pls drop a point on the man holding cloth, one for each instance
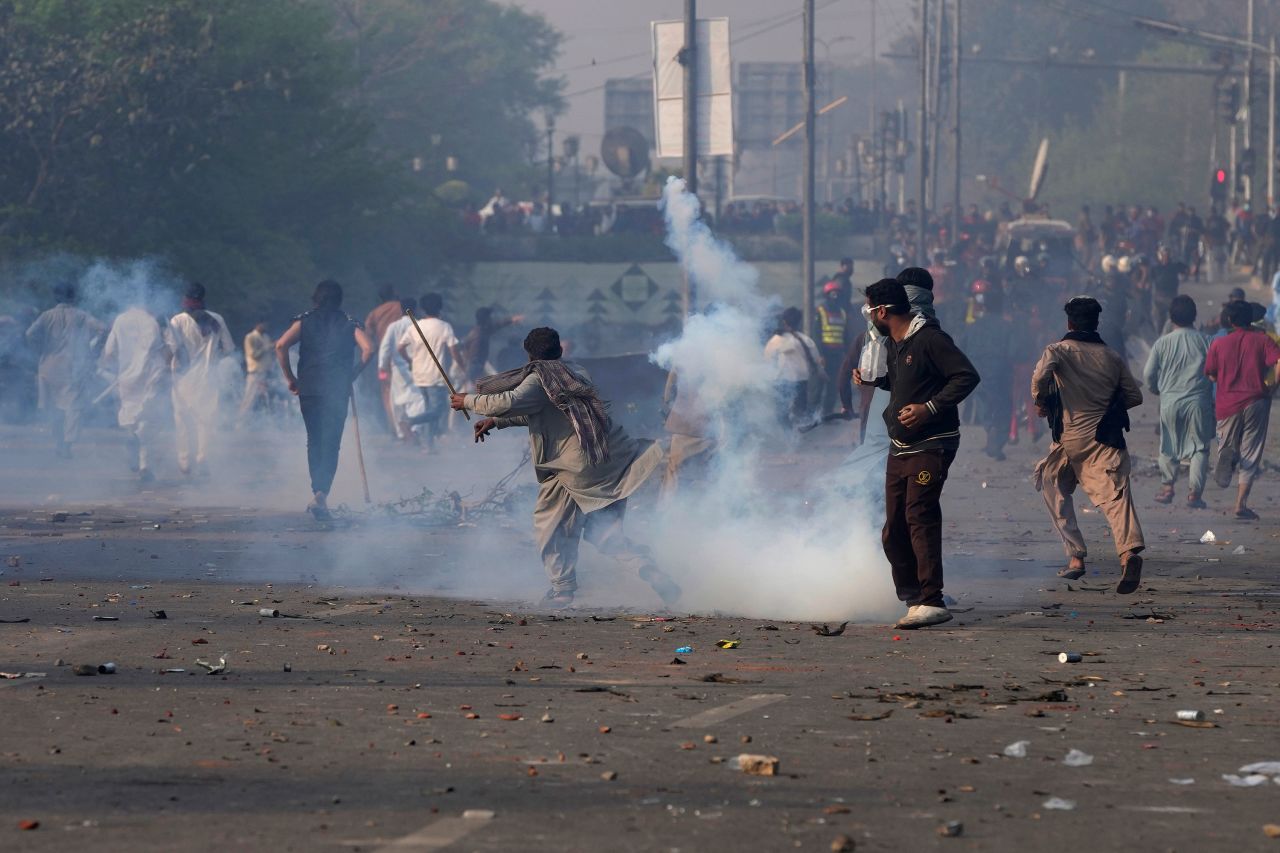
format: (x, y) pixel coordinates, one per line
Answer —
(1085, 389)
(928, 377)
(586, 465)
(1241, 362)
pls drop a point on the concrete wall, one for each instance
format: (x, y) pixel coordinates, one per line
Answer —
(602, 308)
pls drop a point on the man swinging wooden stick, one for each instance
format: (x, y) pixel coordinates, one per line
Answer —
(587, 466)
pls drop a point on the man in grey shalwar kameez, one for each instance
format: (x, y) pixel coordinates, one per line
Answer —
(586, 465)
(65, 338)
(1175, 371)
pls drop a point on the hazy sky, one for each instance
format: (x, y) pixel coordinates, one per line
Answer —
(614, 35)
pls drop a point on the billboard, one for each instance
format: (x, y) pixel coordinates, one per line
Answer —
(714, 77)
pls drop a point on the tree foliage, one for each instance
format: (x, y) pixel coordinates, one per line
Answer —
(256, 144)
(454, 79)
(1150, 146)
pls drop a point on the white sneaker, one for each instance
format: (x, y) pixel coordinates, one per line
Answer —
(910, 612)
(922, 615)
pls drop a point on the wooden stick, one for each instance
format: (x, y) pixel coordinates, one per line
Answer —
(364, 476)
(409, 313)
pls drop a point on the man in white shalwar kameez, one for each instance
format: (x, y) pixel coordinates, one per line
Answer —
(199, 340)
(405, 400)
(136, 353)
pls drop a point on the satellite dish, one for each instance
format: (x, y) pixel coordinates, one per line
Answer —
(1039, 170)
(625, 151)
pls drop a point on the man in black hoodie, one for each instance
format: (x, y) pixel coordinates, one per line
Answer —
(928, 377)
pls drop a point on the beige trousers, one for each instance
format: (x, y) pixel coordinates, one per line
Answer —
(1103, 473)
(559, 525)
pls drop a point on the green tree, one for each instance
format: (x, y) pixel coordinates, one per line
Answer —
(1149, 146)
(257, 145)
(461, 79)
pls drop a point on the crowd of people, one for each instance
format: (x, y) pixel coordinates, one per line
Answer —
(1214, 384)
(182, 375)
(998, 293)
(501, 216)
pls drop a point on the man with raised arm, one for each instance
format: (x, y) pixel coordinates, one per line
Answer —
(587, 466)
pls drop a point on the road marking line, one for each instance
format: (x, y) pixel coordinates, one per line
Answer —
(728, 712)
(435, 836)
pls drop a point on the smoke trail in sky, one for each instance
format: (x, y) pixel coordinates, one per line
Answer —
(744, 539)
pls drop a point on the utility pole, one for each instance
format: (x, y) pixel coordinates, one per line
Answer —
(1232, 163)
(922, 130)
(875, 110)
(1248, 99)
(935, 106)
(689, 59)
(810, 122)
(551, 164)
(1271, 125)
(955, 122)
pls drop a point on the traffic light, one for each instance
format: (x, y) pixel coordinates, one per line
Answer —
(1228, 94)
(1218, 185)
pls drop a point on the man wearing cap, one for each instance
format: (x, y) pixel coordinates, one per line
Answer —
(844, 278)
(928, 377)
(1240, 362)
(1085, 389)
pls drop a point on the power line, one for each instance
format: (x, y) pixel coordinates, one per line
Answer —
(779, 19)
(766, 25)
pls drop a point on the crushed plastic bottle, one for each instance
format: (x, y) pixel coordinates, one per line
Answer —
(1076, 758)
(1017, 749)
(1250, 781)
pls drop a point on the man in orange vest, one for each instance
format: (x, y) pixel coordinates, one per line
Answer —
(831, 330)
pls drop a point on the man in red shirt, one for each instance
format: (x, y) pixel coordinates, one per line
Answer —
(1239, 363)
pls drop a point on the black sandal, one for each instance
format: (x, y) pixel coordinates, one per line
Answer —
(1071, 574)
(1131, 576)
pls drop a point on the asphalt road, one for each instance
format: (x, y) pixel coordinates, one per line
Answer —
(414, 697)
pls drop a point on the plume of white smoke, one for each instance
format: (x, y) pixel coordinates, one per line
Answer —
(734, 541)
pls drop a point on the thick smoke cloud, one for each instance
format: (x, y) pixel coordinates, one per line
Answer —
(737, 542)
